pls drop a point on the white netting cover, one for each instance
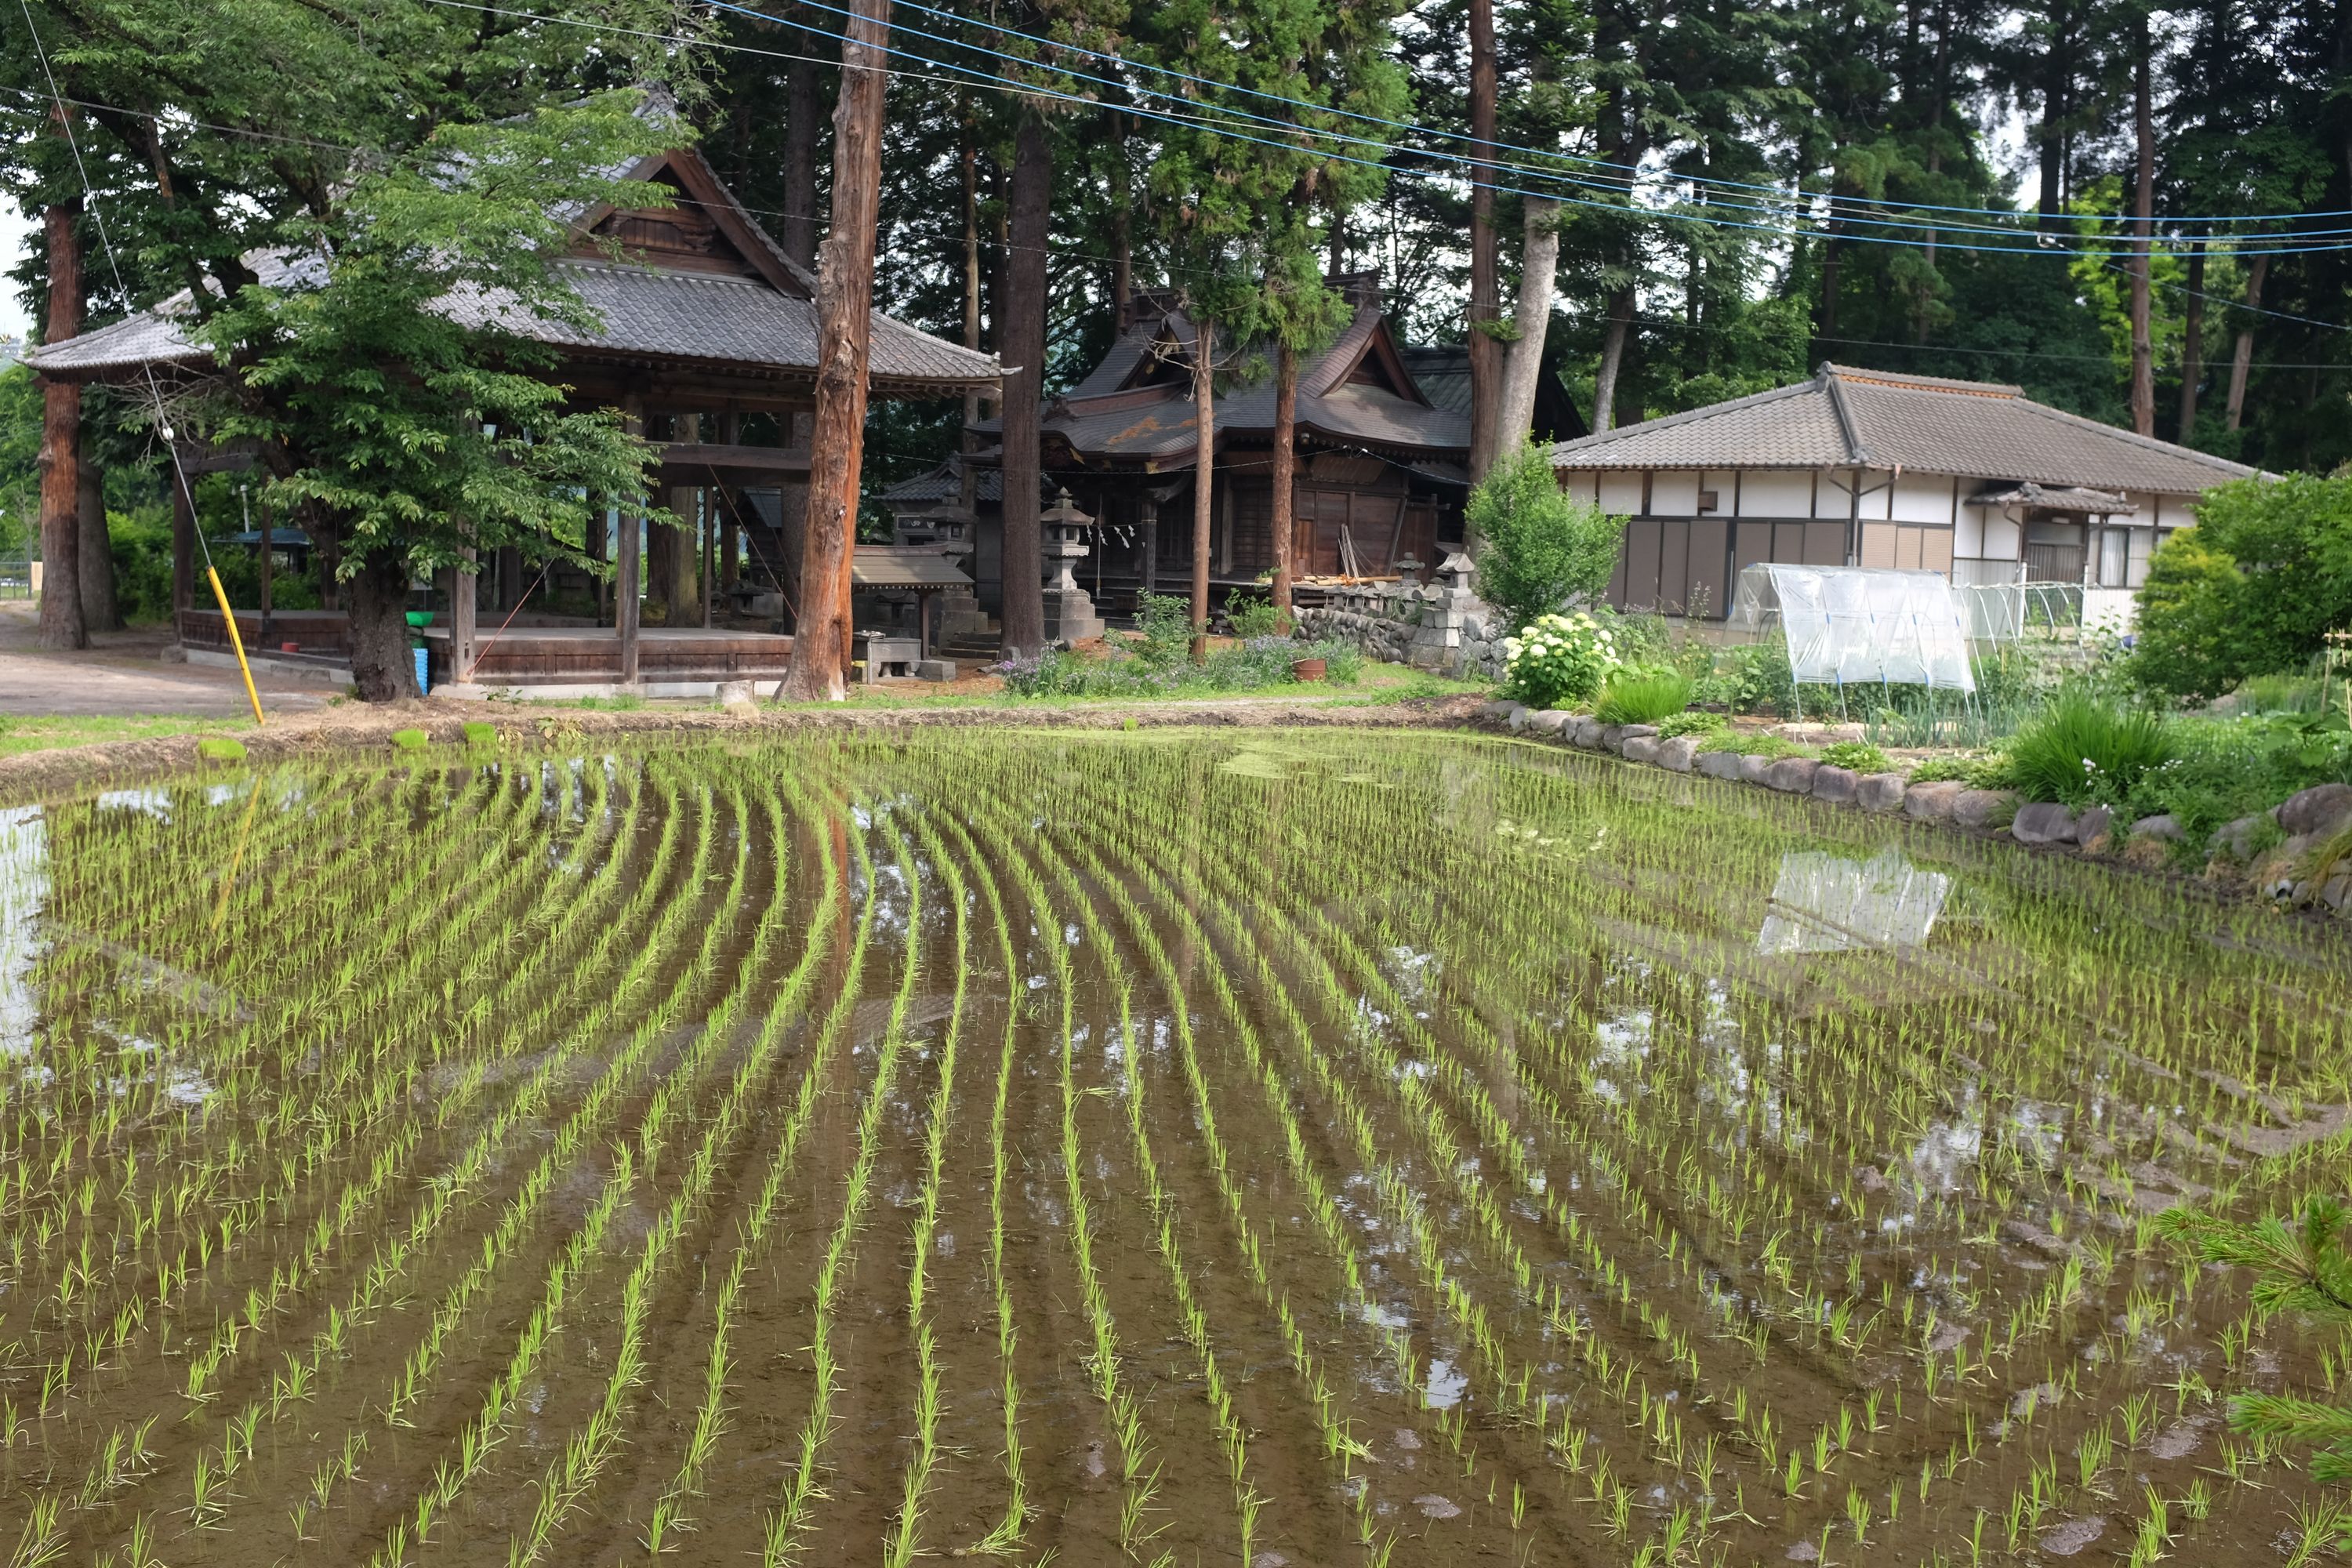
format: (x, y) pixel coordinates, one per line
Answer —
(1848, 626)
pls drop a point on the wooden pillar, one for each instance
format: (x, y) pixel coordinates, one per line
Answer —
(598, 544)
(681, 539)
(461, 617)
(629, 548)
(709, 500)
(183, 548)
(1147, 517)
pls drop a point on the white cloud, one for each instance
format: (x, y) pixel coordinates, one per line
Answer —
(16, 236)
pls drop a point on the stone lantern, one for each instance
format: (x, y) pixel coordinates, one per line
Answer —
(1069, 611)
(951, 528)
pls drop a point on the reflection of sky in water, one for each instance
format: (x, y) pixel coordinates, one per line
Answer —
(24, 887)
(1826, 903)
(155, 802)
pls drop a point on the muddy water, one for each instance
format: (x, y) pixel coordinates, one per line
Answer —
(1419, 1150)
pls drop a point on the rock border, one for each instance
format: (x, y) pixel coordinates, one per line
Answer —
(2268, 854)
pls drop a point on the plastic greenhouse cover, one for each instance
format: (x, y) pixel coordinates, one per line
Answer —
(1849, 626)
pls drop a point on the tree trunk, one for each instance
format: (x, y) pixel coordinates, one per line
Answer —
(1204, 424)
(383, 667)
(2057, 94)
(99, 612)
(1021, 340)
(1122, 243)
(2192, 344)
(1285, 469)
(60, 457)
(2242, 356)
(845, 299)
(797, 231)
(2143, 341)
(1613, 357)
(1523, 364)
(968, 489)
(1486, 288)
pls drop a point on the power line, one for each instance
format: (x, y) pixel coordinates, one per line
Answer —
(1628, 172)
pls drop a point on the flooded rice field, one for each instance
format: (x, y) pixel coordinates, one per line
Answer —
(1170, 1148)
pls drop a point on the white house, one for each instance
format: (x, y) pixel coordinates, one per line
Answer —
(1864, 467)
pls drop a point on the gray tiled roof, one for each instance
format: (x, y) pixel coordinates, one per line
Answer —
(945, 482)
(1846, 417)
(651, 314)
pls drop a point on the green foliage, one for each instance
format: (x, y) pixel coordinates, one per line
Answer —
(1256, 615)
(220, 749)
(1753, 743)
(2251, 589)
(1240, 666)
(1559, 659)
(20, 446)
(1860, 756)
(2299, 1267)
(2223, 769)
(2081, 750)
(1645, 697)
(1694, 722)
(478, 733)
(410, 740)
(1163, 624)
(1987, 771)
(1750, 678)
(1539, 548)
(2185, 643)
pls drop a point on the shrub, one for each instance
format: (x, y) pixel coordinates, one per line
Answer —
(1691, 722)
(410, 740)
(1163, 624)
(1539, 547)
(481, 734)
(2081, 750)
(1944, 769)
(1859, 756)
(2251, 589)
(1256, 615)
(221, 749)
(1643, 698)
(1749, 678)
(1559, 659)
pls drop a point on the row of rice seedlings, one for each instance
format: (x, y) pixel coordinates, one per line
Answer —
(671, 1515)
(1338, 1443)
(787, 1526)
(1005, 1536)
(252, 1217)
(459, 1188)
(478, 1440)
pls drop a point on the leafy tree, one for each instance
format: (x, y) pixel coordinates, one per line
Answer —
(2251, 589)
(2300, 1266)
(1540, 548)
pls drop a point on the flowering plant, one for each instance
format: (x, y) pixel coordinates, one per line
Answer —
(1557, 659)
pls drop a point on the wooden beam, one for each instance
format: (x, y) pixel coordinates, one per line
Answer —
(624, 594)
(703, 457)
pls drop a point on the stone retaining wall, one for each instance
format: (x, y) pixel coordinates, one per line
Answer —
(2273, 854)
(1442, 626)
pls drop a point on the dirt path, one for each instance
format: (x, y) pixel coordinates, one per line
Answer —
(123, 676)
(353, 727)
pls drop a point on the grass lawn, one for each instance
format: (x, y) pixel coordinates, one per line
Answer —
(48, 732)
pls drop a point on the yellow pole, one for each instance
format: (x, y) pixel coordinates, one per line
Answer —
(228, 617)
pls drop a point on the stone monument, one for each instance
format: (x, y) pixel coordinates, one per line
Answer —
(1069, 611)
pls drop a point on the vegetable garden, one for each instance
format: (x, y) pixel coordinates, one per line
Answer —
(1170, 1147)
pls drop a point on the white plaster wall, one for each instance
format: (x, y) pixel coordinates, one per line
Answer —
(1580, 483)
(1968, 534)
(1620, 493)
(1771, 492)
(1674, 494)
(1723, 482)
(2000, 539)
(1923, 498)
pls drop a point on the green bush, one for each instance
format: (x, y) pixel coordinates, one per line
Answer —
(1256, 615)
(221, 749)
(1750, 678)
(1643, 698)
(1943, 770)
(1539, 547)
(1694, 721)
(411, 739)
(1558, 659)
(2251, 589)
(1859, 756)
(1163, 624)
(2081, 750)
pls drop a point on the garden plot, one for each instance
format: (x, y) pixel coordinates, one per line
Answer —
(1232, 1147)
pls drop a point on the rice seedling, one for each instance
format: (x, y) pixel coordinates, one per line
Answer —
(1394, 1153)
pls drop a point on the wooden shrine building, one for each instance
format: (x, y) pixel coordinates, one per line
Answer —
(707, 341)
(1382, 462)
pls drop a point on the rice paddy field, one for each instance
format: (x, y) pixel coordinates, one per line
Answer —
(1176, 1148)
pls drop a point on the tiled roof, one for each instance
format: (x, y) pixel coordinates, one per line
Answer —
(944, 483)
(644, 314)
(1442, 371)
(1846, 417)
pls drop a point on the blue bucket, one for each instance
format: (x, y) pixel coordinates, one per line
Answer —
(424, 681)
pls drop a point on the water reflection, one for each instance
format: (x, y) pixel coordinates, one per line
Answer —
(1827, 903)
(24, 888)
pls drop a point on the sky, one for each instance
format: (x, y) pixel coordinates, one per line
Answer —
(16, 235)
